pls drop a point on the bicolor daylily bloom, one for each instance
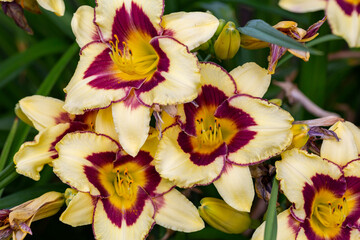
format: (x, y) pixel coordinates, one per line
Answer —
(56, 6)
(15, 222)
(222, 132)
(343, 15)
(325, 192)
(290, 29)
(47, 115)
(125, 193)
(134, 57)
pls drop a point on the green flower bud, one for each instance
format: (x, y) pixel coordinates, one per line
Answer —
(222, 23)
(228, 42)
(221, 216)
(276, 101)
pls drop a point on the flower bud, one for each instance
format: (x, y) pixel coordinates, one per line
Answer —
(221, 216)
(300, 135)
(228, 42)
(276, 101)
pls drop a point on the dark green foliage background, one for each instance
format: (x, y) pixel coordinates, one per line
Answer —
(25, 61)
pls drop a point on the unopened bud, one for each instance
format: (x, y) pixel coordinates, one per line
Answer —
(221, 216)
(300, 135)
(228, 42)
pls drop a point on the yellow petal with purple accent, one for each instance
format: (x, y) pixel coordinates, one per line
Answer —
(80, 151)
(44, 112)
(174, 164)
(272, 128)
(344, 20)
(108, 228)
(251, 79)
(56, 6)
(343, 151)
(83, 26)
(141, 13)
(303, 5)
(191, 29)
(80, 210)
(296, 169)
(177, 79)
(288, 228)
(32, 156)
(355, 132)
(131, 120)
(240, 195)
(176, 212)
(82, 92)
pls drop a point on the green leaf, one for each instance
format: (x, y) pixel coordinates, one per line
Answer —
(20, 60)
(29, 193)
(5, 152)
(261, 30)
(271, 215)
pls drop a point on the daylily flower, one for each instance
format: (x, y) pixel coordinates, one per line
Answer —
(222, 132)
(127, 194)
(15, 222)
(56, 6)
(134, 57)
(276, 52)
(343, 15)
(47, 115)
(325, 191)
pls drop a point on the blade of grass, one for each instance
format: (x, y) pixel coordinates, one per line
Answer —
(12, 64)
(271, 216)
(5, 152)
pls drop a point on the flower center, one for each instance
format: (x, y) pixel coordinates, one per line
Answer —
(331, 214)
(210, 134)
(124, 184)
(353, 2)
(136, 62)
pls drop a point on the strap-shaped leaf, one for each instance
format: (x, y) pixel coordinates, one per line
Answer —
(261, 30)
(271, 215)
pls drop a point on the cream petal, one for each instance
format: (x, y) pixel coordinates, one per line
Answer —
(352, 169)
(182, 77)
(286, 230)
(191, 29)
(104, 123)
(44, 112)
(83, 26)
(272, 127)
(236, 187)
(176, 212)
(80, 95)
(354, 234)
(342, 24)
(251, 79)
(355, 132)
(104, 228)
(56, 6)
(174, 164)
(296, 169)
(303, 5)
(131, 121)
(74, 150)
(106, 12)
(32, 156)
(216, 76)
(343, 151)
(80, 210)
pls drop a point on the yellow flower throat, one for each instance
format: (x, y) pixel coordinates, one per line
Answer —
(124, 184)
(137, 64)
(209, 135)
